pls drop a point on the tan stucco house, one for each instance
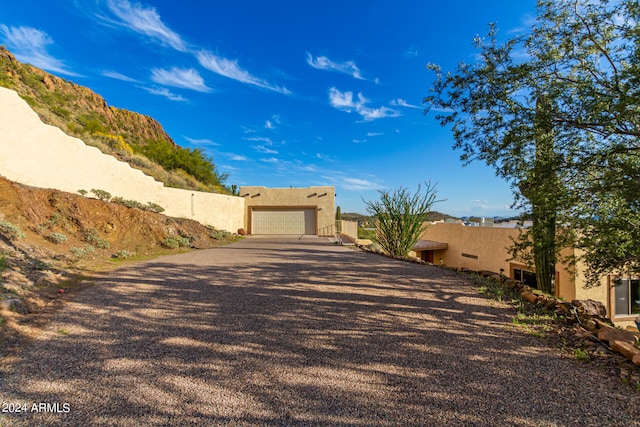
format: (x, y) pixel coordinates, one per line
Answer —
(485, 248)
(289, 211)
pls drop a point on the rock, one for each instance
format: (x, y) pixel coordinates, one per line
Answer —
(511, 283)
(630, 351)
(529, 296)
(608, 333)
(590, 325)
(241, 232)
(591, 307)
(636, 359)
(551, 303)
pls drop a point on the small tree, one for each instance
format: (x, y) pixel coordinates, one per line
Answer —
(400, 217)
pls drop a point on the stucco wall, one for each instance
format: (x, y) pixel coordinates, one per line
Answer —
(485, 248)
(40, 155)
(322, 198)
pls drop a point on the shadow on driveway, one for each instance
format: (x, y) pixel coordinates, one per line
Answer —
(298, 332)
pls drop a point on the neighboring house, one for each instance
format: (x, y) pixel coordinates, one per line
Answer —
(485, 248)
(289, 211)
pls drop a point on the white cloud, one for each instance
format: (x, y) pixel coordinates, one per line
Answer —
(399, 102)
(273, 122)
(264, 149)
(204, 141)
(145, 20)
(119, 76)
(165, 92)
(270, 160)
(339, 179)
(180, 77)
(30, 45)
(359, 184)
(259, 139)
(344, 101)
(230, 69)
(324, 63)
(374, 133)
(237, 157)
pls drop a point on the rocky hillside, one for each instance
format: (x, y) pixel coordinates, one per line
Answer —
(131, 137)
(67, 105)
(52, 242)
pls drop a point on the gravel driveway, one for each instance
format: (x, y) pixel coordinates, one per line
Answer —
(298, 332)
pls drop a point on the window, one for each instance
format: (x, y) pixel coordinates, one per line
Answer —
(526, 277)
(627, 295)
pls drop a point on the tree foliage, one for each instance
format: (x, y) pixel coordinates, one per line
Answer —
(192, 161)
(584, 56)
(400, 217)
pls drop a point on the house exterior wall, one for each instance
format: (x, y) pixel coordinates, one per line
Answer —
(321, 198)
(486, 248)
(349, 228)
(489, 245)
(36, 154)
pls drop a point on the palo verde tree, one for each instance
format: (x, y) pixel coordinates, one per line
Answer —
(400, 217)
(556, 113)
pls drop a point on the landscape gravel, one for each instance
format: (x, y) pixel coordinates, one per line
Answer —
(300, 332)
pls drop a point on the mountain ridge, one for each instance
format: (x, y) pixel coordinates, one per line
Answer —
(135, 138)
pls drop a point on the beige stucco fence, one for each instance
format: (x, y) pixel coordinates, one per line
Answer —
(40, 155)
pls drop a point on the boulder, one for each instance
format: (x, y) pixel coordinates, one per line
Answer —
(590, 307)
(630, 351)
(611, 334)
(636, 359)
(529, 296)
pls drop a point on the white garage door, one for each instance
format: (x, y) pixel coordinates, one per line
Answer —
(290, 221)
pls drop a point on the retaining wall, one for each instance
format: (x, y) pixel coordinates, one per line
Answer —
(40, 155)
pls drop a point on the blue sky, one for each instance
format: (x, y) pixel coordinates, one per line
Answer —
(282, 93)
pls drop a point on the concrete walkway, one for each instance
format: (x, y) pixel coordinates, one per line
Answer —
(298, 332)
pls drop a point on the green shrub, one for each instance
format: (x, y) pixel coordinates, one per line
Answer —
(219, 234)
(154, 207)
(128, 203)
(123, 254)
(82, 192)
(91, 236)
(57, 238)
(176, 242)
(10, 231)
(82, 252)
(101, 194)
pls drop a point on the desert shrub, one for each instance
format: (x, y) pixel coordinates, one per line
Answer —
(176, 242)
(91, 236)
(128, 203)
(154, 207)
(219, 234)
(101, 194)
(82, 192)
(10, 231)
(57, 238)
(82, 252)
(123, 254)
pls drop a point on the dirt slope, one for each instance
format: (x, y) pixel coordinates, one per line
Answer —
(52, 243)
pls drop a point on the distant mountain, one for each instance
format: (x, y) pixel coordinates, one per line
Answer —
(433, 216)
(129, 136)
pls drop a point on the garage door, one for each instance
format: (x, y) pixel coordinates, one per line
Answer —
(290, 221)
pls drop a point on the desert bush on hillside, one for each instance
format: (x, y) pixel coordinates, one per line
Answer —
(57, 238)
(176, 242)
(91, 236)
(101, 194)
(10, 231)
